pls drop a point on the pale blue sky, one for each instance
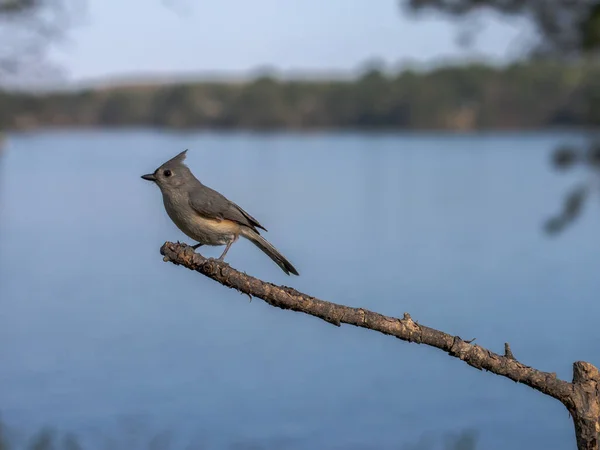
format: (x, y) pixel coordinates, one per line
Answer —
(123, 38)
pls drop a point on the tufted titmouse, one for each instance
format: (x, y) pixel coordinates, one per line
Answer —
(207, 216)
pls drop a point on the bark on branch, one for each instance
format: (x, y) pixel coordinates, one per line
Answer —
(581, 397)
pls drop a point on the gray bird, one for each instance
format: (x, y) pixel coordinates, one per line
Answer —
(207, 216)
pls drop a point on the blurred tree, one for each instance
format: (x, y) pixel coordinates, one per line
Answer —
(43, 440)
(566, 29)
(27, 30)
(521, 96)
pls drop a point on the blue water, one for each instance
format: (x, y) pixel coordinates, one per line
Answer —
(100, 337)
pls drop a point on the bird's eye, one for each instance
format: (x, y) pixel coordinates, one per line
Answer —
(167, 173)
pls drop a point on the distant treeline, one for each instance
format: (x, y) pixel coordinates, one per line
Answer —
(529, 95)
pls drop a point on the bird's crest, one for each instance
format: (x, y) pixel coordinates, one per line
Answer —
(179, 158)
(176, 160)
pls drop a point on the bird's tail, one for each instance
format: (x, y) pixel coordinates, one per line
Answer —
(268, 248)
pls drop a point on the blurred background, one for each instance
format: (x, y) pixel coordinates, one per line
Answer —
(437, 157)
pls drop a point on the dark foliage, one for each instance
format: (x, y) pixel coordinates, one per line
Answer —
(565, 27)
(476, 97)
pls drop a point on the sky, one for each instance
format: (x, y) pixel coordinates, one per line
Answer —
(140, 38)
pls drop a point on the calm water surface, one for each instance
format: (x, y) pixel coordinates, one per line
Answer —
(100, 337)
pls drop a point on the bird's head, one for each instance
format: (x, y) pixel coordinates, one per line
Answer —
(171, 175)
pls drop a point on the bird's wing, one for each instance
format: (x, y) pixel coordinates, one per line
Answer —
(209, 203)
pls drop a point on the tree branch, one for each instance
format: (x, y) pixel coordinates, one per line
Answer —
(581, 397)
(405, 329)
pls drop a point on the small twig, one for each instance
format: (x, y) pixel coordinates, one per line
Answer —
(508, 352)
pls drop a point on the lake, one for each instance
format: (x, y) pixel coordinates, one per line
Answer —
(100, 337)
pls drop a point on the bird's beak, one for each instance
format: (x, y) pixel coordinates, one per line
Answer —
(149, 177)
